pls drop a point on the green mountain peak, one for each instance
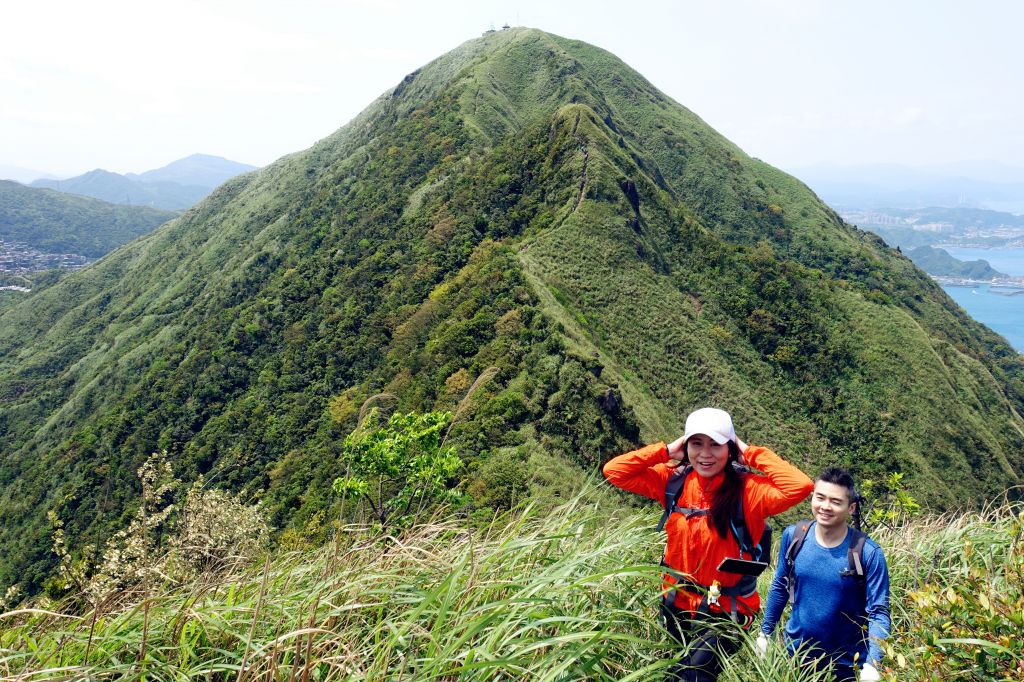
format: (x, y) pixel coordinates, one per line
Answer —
(526, 209)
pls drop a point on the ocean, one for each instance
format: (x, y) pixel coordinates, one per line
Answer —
(1002, 314)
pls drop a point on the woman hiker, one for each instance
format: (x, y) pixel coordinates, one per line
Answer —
(702, 605)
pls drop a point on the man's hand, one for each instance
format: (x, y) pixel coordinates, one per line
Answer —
(761, 645)
(869, 673)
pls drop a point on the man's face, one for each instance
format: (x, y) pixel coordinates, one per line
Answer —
(830, 505)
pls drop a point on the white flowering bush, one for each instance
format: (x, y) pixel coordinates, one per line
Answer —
(166, 542)
(214, 529)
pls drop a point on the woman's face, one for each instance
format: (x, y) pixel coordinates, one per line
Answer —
(707, 457)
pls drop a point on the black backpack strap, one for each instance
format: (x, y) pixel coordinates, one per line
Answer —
(740, 530)
(759, 549)
(744, 588)
(795, 543)
(673, 489)
(855, 556)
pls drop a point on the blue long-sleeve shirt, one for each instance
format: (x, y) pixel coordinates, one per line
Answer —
(832, 613)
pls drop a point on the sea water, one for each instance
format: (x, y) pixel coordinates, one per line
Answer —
(1002, 314)
(1006, 261)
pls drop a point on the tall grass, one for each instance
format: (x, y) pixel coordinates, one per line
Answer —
(566, 595)
(958, 595)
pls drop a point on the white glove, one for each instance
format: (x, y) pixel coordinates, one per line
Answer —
(869, 673)
(761, 644)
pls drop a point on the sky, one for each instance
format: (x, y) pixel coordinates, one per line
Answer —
(129, 86)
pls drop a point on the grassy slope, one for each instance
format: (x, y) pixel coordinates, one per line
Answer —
(566, 595)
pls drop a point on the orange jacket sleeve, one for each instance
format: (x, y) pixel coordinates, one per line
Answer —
(644, 471)
(786, 485)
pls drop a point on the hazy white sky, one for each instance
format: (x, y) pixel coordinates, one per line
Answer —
(132, 85)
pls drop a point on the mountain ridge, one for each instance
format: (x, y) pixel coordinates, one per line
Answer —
(525, 203)
(204, 170)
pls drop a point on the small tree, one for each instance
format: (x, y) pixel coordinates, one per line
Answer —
(888, 502)
(398, 465)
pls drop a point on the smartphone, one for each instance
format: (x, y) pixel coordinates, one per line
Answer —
(742, 566)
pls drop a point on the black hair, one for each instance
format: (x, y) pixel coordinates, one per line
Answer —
(840, 477)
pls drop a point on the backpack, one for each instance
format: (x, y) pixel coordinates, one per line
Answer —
(759, 551)
(854, 556)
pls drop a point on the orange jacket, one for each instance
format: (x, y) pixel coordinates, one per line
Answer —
(694, 547)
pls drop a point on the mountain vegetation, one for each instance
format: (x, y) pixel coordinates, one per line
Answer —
(175, 186)
(54, 222)
(529, 235)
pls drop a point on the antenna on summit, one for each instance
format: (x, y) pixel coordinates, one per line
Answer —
(490, 30)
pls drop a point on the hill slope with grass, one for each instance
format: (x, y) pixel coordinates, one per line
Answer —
(568, 594)
(525, 232)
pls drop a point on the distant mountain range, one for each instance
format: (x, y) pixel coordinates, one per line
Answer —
(175, 187)
(199, 170)
(971, 184)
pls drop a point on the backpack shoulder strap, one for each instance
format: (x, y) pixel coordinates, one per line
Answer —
(673, 489)
(740, 529)
(795, 543)
(855, 556)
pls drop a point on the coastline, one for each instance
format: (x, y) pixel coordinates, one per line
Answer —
(1008, 283)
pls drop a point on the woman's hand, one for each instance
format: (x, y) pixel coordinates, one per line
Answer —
(677, 449)
(742, 459)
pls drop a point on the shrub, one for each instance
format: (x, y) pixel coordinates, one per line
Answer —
(399, 468)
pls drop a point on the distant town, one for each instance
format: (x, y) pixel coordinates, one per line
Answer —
(18, 258)
(963, 228)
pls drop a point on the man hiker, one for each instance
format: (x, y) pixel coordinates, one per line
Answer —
(838, 582)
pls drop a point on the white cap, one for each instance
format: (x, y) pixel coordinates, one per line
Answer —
(712, 422)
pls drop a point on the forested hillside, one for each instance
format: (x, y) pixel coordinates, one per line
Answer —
(65, 223)
(527, 211)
